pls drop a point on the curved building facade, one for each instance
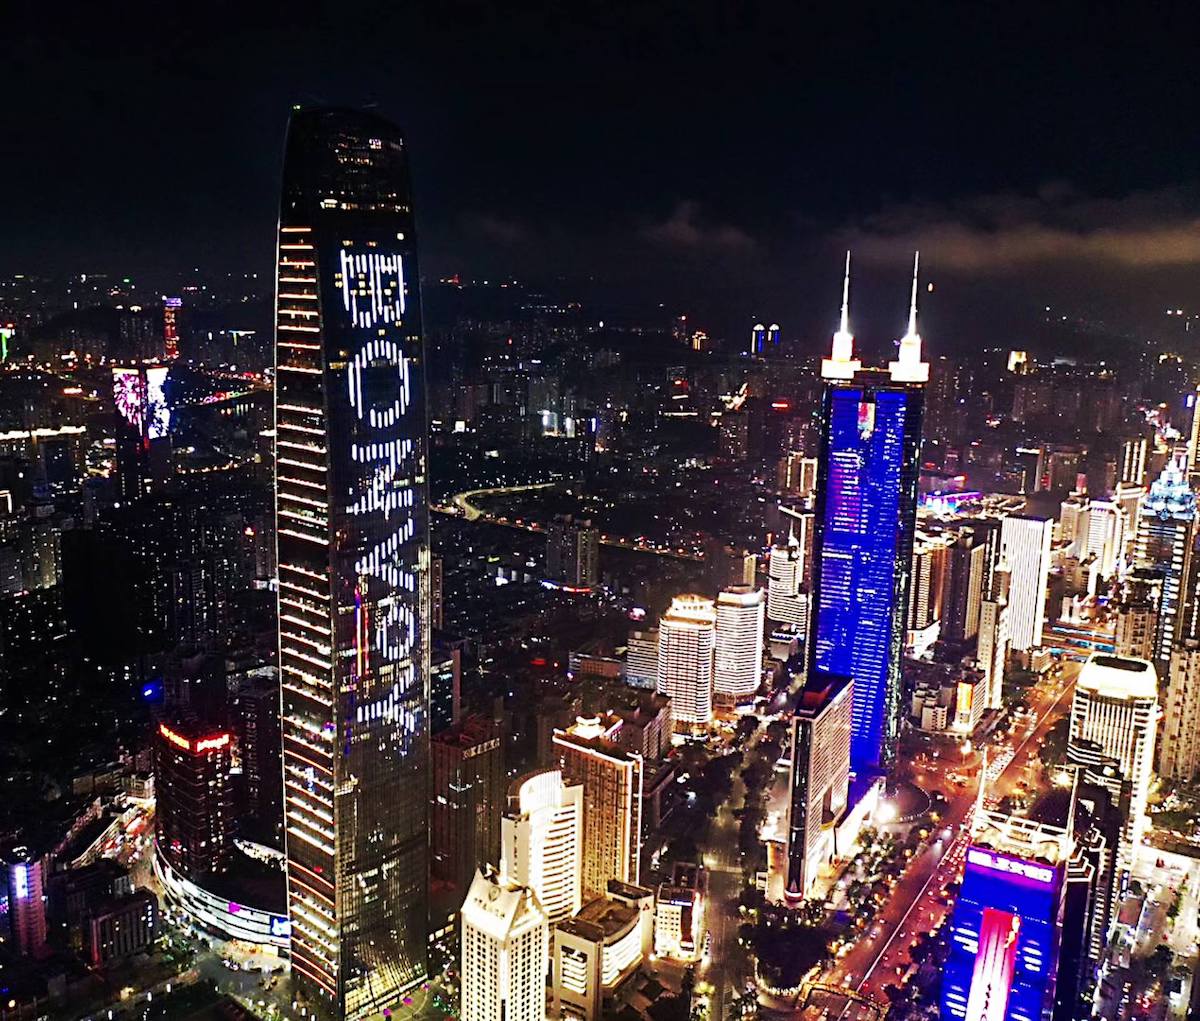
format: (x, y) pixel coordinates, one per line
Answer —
(353, 543)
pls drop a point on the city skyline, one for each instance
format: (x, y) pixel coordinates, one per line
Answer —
(1070, 224)
(512, 603)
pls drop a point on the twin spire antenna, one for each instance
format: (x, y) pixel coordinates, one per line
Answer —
(908, 366)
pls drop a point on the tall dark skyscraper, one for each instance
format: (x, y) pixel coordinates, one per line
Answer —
(865, 516)
(353, 527)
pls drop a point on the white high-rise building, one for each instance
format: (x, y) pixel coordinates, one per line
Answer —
(541, 840)
(994, 638)
(1112, 734)
(1180, 756)
(741, 620)
(787, 603)
(505, 952)
(1025, 547)
(686, 644)
(1105, 537)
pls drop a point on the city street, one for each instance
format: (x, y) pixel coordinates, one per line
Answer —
(917, 903)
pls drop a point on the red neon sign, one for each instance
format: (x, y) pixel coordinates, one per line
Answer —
(994, 966)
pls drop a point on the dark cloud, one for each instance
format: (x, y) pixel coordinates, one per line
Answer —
(686, 229)
(1001, 233)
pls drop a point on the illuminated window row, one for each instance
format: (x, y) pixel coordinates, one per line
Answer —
(321, 683)
(319, 935)
(321, 977)
(305, 465)
(303, 369)
(300, 621)
(311, 592)
(307, 538)
(307, 447)
(305, 572)
(304, 501)
(304, 409)
(319, 845)
(294, 427)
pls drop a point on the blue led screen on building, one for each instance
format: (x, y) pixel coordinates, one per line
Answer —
(866, 509)
(1003, 939)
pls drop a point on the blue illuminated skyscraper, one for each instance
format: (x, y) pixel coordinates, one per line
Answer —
(353, 533)
(1004, 938)
(862, 542)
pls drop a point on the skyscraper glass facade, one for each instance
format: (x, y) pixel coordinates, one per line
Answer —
(353, 533)
(862, 552)
(1003, 939)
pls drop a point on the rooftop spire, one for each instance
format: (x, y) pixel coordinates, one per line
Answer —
(908, 367)
(841, 364)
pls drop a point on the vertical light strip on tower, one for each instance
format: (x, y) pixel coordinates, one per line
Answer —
(351, 514)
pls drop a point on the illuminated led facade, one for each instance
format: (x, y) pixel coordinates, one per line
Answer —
(1003, 939)
(353, 545)
(864, 519)
(862, 550)
(143, 429)
(26, 888)
(1165, 541)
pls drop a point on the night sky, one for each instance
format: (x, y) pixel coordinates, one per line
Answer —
(713, 158)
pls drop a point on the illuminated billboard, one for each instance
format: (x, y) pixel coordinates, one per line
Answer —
(158, 415)
(141, 400)
(1003, 939)
(129, 395)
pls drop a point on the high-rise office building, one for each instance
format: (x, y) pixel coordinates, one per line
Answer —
(1133, 459)
(1025, 546)
(1165, 541)
(1179, 757)
(195, 809)
(1136, 625)
(787, 602)
(991, 652)
(256, 727)
(865, 517)
(966, 586)
(468, 793)
(611, 777)
(928, 586)
(505, 952)
(573, 552)
(1113, 720)
(819, 781)
(686, 644)
(741, 619)
(542, 840)
(445, 688)
(25, 875)
(1004, 937)
(353, 539)
(641, 658)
